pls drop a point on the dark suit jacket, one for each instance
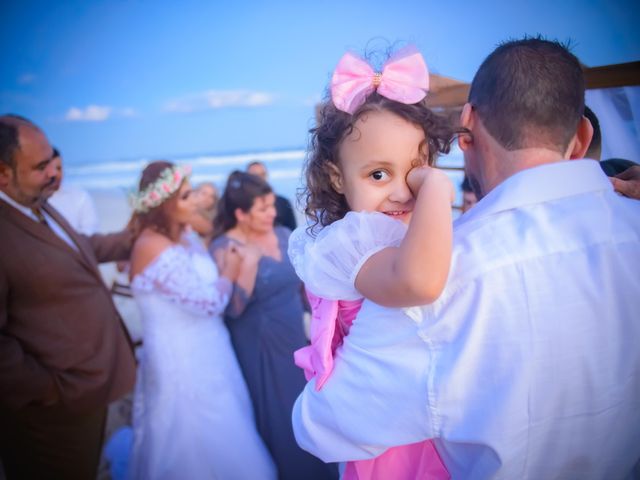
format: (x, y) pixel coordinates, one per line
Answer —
(284, 213)
(58, 324)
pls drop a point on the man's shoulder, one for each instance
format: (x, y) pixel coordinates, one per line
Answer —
(11, 219)
(572, 225)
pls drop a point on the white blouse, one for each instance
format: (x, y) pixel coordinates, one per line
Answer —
(328, 263)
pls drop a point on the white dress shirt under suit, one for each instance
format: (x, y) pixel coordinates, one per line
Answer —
(77, 207)
(57, 229)
(527, 366)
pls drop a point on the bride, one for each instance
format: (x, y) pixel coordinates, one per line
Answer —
(192, 417)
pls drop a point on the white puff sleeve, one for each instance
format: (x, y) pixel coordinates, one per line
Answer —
(329, 263)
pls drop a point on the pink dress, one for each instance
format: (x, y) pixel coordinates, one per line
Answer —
(330, 323)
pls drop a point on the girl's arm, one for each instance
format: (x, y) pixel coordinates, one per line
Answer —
(415, 273)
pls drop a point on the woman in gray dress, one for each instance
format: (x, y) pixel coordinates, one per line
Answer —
(265, 318)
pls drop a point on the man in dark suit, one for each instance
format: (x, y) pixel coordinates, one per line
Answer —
(64, 354)
(284, 210)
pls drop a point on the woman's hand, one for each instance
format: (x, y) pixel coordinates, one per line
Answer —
(250, 254)
(230, 262)
(431, 178)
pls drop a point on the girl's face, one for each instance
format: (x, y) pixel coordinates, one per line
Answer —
(261, 215)
(183, 208)
(374, 162)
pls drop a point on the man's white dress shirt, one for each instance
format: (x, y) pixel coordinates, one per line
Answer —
(53, 225)
(77, 207)
(527, 366)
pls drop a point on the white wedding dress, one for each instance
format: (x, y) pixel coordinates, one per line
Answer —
(192, 416)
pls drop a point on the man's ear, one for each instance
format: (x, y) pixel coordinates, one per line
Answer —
(336, 178)
(580, 142)
(6, 173)
(466, 122)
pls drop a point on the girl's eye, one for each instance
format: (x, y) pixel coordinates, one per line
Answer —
(379, 175)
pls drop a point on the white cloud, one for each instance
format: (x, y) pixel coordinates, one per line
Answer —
(97, 113)
(215, 99)
(312, 100)
(92, 113)
(128, 112)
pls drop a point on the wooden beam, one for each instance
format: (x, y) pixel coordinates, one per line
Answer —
(609, 76)
(450, 94)
(449, 97)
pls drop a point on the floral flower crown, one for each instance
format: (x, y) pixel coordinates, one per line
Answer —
(158, 191)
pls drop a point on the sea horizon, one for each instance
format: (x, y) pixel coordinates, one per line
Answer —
(111, 181)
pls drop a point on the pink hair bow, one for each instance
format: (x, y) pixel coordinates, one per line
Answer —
(404, 78)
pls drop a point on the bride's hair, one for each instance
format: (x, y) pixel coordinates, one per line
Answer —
(155, 218)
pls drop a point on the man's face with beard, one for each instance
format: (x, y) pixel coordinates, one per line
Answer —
(31, 179)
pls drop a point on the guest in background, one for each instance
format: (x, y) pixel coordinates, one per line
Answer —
(206, 199)
(74, 203)
(284, 210)
(624, 174)
(595, 147)
(264, 317)
(613, 167)
(627, 183)
(469, 198)
(64, 354)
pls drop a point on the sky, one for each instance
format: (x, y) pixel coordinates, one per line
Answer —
(111, 80)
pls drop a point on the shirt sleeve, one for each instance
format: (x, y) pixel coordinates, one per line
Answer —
(376, 397)
(329, 263)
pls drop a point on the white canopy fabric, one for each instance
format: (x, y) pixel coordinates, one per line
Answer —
(618, 111)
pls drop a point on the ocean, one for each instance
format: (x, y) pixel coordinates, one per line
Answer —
(110, 182)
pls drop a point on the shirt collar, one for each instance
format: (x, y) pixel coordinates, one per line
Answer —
(26, 210)
(540, 184)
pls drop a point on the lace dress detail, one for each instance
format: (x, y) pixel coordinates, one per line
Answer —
(192, 416)
(178, 281)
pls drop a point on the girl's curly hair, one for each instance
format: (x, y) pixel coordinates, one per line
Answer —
(323, 205)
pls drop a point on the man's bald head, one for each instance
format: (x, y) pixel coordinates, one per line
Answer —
(10, 125)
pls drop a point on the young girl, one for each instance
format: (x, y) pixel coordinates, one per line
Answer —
(381, 220)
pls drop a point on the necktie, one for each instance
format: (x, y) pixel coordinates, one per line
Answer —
(41, 218)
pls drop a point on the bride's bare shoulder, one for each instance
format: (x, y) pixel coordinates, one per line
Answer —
(148, 246)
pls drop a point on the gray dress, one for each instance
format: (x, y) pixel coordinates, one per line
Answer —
(266, 329)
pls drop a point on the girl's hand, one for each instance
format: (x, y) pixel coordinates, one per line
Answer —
(432, 178)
